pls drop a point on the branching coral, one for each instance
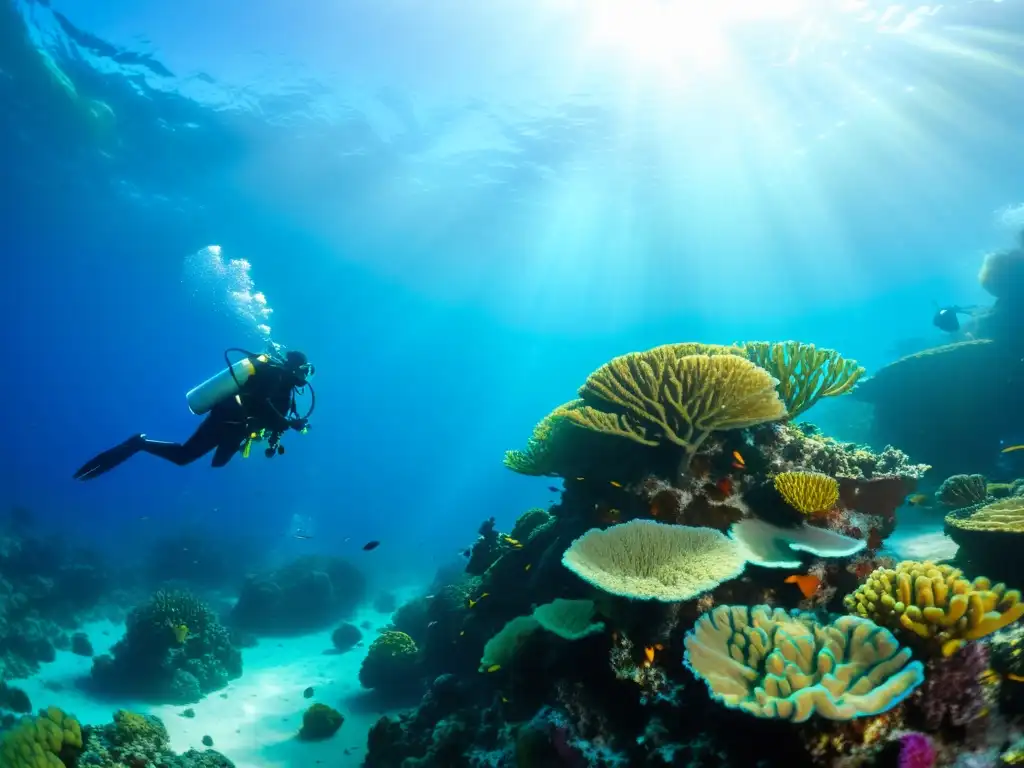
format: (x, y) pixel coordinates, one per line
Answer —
(774, 664)
(646, 560)
(961, 491)
(682, 399)
(809, 492)
(41, 741)
(805, 373)
(935, 604)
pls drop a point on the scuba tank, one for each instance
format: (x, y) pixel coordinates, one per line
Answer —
(222, 385)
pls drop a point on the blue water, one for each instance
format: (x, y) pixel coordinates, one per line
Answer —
(458, 211)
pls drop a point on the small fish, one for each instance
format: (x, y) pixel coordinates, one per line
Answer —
(807, 583)
(649, 654)
(462, 633)
(370, 546)
(615, 484)
(528, 566)
(181, 633)
(144, 517)
(659, 647)
(512, 542)
(504, 700)
(494, 667)
(580, 478)
(553, 489)
(1015, 678)
(308, 693)
(917, 500)
(725, 485)
(432, 624)
(303, 536)
(473, 602)
(737, 461)
(467, 552)
(1012, 448)
(348, 539)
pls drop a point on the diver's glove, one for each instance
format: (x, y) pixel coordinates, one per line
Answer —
(298, 424)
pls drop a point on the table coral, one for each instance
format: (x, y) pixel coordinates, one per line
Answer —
(647, 560)
(935, 604)
(786, 665)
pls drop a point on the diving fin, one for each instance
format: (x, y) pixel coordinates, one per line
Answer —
(110, 458)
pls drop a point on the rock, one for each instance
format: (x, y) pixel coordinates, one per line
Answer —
(346, 636)
(320, 722)
(308, 693)
(207, 741)
(81, 645)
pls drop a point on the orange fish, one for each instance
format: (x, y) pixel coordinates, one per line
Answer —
(737, 461)
(649, 654)
(725, 486)
(808, 584)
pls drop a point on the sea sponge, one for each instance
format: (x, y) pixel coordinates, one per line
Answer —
(679, 399)
(40, 741)
(935, 604)
(772, 546)
(959, 491)
(501, 649)
(808, 492)
(647, 560)
(805, 373)
(390, 660)
(569, 619)
(777, 664)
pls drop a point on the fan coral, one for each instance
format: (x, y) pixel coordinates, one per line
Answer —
(805, 374)
(41, 741)
(935, 604)
(389, 662)
(808, 492)
(960, 491)
(681, 399)
(646, 560)
(775, 664)
(771, 546)
(501, 649)
(569, 619)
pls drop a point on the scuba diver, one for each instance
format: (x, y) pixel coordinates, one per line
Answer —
(250, 400)
(946, 319)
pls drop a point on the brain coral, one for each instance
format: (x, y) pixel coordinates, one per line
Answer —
(935, 604)
(774, 664)
(959, 491)
(647, 560)
(39, 742)
(390, 661)
(807, 492)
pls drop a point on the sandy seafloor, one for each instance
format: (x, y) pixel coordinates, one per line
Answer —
(254, 720)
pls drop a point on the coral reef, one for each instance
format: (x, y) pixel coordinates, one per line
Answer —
(776, 664)
(174, 650)
(989, 537)
(139, 741)
(935, 605)
(805, 373)
(52, 739)
(390, 662)
(320, 722)
(959, 491)
(810, 493)
(647, 560)
(309, 593)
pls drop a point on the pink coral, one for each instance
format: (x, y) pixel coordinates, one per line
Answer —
(916, 751)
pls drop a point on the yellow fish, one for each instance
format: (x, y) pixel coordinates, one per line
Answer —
(504, 700)
(514, 542)
(494, 667)
(615, 484)
(181, 633)
(1015, 678)
(1013, 448)
(473, 602)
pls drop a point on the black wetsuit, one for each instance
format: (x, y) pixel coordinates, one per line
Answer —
(266, 401)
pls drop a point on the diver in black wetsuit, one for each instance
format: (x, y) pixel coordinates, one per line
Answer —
(263, 404)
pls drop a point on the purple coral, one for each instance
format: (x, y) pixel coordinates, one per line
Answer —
(952, 692)
(916, 751)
